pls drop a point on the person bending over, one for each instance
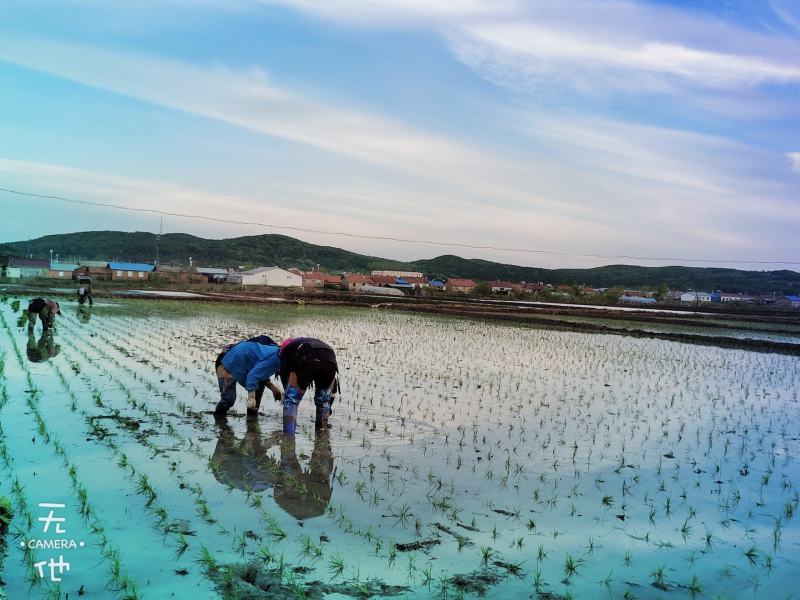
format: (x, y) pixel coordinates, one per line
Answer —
(251, 364)
(307, 361)
(45, 310)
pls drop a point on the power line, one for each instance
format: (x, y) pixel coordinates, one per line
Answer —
(394, 239)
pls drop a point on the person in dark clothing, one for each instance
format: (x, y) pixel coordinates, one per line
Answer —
(251, 364)
(45, 310)
(307, 361)
(85, 294)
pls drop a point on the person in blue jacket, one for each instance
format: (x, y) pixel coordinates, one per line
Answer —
(251, 364)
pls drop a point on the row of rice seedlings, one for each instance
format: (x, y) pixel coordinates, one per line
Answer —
(589, 456)
(144, 487)
(119, 580)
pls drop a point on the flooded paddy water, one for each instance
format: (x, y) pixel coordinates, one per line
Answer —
(466, 458)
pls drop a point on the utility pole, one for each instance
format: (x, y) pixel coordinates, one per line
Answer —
(158, 239)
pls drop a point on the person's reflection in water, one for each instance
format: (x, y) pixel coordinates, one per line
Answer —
(44, 348)
(244, 464)
(84, 313)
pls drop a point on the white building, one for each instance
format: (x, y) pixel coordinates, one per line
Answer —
(695, 297)
(402, 274)
(268, 276)
(734, 297)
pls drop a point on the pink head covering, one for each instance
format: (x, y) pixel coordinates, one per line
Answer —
(285, 343)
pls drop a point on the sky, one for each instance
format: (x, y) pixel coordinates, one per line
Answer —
(554, 133)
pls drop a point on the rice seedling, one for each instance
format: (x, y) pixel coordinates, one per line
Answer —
(336, 565)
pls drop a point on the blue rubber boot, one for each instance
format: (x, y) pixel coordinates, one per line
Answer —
(322, 401)
(291, 399)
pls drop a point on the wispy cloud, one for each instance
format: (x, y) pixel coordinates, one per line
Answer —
(590, 46)
(588, 61)
(794, 160)
(244, 98)
(559, 178)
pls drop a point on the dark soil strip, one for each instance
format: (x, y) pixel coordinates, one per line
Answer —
(417, 545)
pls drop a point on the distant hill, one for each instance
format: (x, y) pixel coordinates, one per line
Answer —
(176, 248)
(250, 251)
(680, 278)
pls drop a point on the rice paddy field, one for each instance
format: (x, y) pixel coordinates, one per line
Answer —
(467, 458)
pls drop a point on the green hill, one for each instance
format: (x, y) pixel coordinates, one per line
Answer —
(250, 251)
(680, 278)
(177, 248)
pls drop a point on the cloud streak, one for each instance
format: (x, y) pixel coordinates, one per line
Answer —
(794, 161)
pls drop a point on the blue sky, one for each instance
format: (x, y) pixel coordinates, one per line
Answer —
(648, 129)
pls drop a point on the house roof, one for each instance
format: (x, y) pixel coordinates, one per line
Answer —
(358, 278)
(170, 269)
(36, 263)
(461, 282)
(95, 264)
(419, 280)
(211, 271)
(259, 270)
(56, 266)
(499, 283)
(383, 279)
(315, 275)
(123, 266)
(333, 278)
(793, 298)
(436, 283)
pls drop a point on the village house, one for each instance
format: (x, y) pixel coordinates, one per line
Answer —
(313, 279)
(459, 286)
(213, 274)
(169, 273)
(691, 296)
(122, 271)
(267, 276)
(535, 287)
(735, 297)
(27, 268)
(60, 270)
(420, 281)
(97, 270)
(501, 287)
(403, 274)
(790, 301)
(355, 281)
(333, 280)
(407, 284)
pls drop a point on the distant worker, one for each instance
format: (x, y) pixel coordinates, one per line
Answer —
(45, 310)
(85, 294)
(251, 364)
(306, 361)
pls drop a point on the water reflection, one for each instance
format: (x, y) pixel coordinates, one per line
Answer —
(84, 313)
(243, 463)
(44, 348)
